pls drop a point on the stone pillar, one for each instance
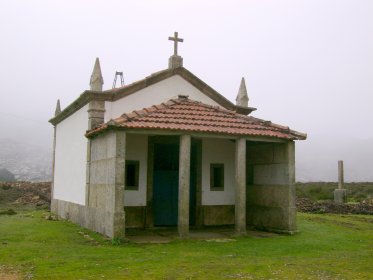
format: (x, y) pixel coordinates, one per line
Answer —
(96, 111)
(291, 218)
(340, 194)
(340, 174)
(240, 184)
(117, 206)
(88, 173)
(184, 185)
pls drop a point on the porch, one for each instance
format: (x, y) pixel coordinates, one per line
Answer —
(195, 181)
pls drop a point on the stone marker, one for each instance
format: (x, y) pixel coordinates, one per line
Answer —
(340, 194)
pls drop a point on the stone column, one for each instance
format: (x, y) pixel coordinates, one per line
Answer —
(340, 174)
(96, 111)
(240, 184)
(292, 213)
(184, 185)
(118, 200)
(340, 194)
(88, 173)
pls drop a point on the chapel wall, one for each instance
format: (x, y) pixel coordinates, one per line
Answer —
(137, 150)
(271, 190)
(267, 163)
(155, 94)
(71, 157)
(218, 151)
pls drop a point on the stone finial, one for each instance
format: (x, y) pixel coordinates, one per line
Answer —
(242, 99)
(96, 81)
(58, 108)
(175, 60)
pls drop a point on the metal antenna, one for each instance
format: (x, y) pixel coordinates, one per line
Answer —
(120, 74)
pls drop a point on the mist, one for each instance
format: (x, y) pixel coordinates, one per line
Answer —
(307, 64)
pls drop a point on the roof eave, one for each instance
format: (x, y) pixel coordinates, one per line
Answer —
(78, 103)
(113, 126)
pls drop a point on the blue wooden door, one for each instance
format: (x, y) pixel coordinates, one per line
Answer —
(166, 185)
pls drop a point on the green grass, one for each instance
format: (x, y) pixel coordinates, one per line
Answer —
(327, 247)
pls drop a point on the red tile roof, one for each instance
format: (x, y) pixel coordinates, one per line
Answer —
(187, 115)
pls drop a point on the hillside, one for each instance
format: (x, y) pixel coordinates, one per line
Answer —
(27, 162)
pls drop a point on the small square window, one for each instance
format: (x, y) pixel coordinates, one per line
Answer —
(217, 177)
(132, 175)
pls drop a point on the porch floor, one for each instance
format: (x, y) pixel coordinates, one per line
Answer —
(209, 234)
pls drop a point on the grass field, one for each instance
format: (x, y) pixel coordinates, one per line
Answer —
(327, 247)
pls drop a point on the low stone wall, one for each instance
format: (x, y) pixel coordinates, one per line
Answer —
(271, 207)
(93, 218)
(214, 215)
(135, 216)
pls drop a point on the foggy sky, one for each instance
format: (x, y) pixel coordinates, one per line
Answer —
(307, 64)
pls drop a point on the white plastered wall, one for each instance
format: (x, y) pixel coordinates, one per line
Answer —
(137, 149)
(71, 158)
(154, 95)
(218, 151)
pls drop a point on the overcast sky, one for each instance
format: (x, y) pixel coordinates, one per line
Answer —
(307, 64)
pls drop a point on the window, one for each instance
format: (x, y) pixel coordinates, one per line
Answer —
(216, 177)
(132, 175)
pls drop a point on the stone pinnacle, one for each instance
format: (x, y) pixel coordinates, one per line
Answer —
(58, 108)
(242, 99)
(96, 81)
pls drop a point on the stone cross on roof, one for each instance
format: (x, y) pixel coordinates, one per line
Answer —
(176, 39)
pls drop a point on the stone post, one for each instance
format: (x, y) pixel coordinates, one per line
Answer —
(240, 184)
(340, 194)
(184, 185)
(340, 174)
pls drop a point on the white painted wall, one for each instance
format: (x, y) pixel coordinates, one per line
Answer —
(71, 158)
(137, 149)
(218, 151)
(154, 95)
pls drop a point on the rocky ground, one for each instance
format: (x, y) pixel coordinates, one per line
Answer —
(20, 194)
(309, 206)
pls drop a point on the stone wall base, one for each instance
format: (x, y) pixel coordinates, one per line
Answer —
(215, 215)
(271, 208)
(105, 222)
(135, 216)
(340, 195)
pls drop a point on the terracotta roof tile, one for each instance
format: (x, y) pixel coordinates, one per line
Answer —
(188, 115)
